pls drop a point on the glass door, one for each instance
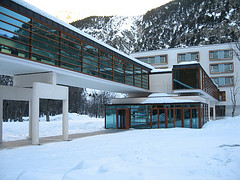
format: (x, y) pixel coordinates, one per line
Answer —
(178, 118)
(155, 119)
(158, 118)
(123, 120)
(162, 116)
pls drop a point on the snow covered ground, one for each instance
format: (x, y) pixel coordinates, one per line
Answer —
(210, 153)
(77, 124)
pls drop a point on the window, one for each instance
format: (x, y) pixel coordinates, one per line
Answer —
(44, 42)
(221, 68)
(194, 56)
(162, 59)
(222, 96)
(186, 78)
(221, 54)
(223, 81)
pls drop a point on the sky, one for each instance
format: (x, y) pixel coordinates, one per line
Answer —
(84, 8)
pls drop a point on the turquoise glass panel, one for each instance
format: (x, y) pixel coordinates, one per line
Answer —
(178, 117)
(170, 118)
(195, 119)
(154, 118)
(14, 14)
(187, 118)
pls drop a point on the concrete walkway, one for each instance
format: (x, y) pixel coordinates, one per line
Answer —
(52, 139)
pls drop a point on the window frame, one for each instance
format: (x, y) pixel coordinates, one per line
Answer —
(162, 55)
(224, 81)
(210, 68)
(218, 57)
(198, 55)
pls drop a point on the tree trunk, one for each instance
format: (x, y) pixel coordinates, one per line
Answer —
(233, 111)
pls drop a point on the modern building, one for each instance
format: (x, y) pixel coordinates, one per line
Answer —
(45, 55)
(218, 61)
(188, 86)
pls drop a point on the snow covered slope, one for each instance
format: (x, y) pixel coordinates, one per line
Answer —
(177, 24)
(211, 153)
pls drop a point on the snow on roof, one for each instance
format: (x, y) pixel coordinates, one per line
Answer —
(189, 62)
(35, 9)
(159, 95)
(161, 100)
(161, 70)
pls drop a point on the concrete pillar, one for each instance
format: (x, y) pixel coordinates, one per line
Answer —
(209, 110)
(30, 120)
(35, 115)
(214, 111)
(1, 119)
(65, 120)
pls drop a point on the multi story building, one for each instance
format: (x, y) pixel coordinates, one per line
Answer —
(218, 61)
(166, 88)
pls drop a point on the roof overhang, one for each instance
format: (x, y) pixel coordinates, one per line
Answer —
(196, 91)
(161, 100)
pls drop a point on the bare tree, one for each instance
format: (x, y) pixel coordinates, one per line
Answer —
(235, 90)
(236, 49)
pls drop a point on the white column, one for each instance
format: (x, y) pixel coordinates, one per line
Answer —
(30, 120)
(209, 110)
(1, 118)
(65, 120)
(214, 111)
(35, 115)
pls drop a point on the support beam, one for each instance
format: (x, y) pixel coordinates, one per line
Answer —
(1, 118)
(35, 115)
(30, 120)
(65, 120)
(214, 111)
(209, 110)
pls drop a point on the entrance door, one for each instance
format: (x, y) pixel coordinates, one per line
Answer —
(123, 119)
(158, 118)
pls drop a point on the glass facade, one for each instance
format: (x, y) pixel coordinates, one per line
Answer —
(193, 76)
(187, 78)
(29, 38)
(192, 115)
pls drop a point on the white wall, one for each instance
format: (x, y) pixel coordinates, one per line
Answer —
(161, 82)
(205, 63)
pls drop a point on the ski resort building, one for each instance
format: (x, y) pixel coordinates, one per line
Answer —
(218, 61)
(45, 55)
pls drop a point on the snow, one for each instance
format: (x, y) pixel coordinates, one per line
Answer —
(161, 70)
(189, 62)
(212, 152)
(35, 9)
(166, 100)
(159, 95)
(77, 124)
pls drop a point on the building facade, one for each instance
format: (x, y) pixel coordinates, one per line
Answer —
(181, 97)
(218, 61)
(44, 55)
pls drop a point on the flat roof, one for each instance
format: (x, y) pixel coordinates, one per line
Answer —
(180, 49)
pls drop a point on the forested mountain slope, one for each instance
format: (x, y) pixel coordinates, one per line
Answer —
(176, 24)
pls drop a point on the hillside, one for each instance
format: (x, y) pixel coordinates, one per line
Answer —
(176, 24)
